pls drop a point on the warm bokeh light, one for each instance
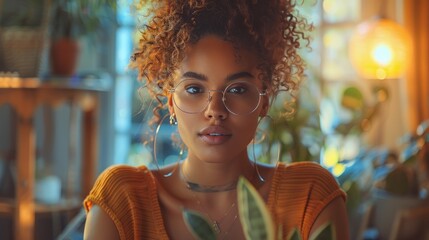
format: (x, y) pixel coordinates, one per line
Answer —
(331, 157)
(379, 49)
(331, 160)
(382, 54)
(338, 169)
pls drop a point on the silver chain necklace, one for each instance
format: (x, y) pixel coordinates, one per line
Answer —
(216, 224)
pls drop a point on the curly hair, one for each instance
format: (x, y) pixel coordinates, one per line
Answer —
(272, 29)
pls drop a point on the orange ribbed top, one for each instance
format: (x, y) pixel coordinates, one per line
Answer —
(298, 194)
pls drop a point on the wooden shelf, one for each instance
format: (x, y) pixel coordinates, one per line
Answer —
(89, 83)
(7, 206)
(25, 95)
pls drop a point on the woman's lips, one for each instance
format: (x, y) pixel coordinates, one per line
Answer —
(214, 135)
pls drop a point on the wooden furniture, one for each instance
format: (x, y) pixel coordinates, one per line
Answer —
(413, 221)
(389, 217)
(25, 95)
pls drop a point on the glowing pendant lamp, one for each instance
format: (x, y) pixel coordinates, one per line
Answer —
(380, 49)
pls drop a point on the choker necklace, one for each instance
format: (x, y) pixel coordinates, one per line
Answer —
(196, 187)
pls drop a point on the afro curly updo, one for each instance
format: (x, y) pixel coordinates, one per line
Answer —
(272, 29)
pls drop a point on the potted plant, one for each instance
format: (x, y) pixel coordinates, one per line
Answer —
(71, 20)
(22, 36)
(291, 132)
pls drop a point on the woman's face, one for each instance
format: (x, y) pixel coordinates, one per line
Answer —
(211, 132)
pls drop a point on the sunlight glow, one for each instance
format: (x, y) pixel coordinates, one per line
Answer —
(382, 54)
(380, 49)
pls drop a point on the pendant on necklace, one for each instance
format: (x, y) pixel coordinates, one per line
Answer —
(216, 227)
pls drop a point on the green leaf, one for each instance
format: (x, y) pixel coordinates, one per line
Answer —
(254, 216)
(295, 235)
(324, 232)
(352, 98)
(199, 225)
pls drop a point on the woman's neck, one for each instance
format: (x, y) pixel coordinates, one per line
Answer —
(201, 176)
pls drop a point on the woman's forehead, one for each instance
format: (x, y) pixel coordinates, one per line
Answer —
(214, 53)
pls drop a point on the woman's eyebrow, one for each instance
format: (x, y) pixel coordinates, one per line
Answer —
(234, 76)
(239, 75)
(194, 75)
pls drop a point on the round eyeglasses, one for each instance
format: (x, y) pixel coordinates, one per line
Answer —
(239, 98)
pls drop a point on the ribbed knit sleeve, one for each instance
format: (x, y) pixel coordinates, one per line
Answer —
(128, 195)
(300, 192)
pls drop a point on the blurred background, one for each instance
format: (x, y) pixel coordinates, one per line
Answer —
(70, 107)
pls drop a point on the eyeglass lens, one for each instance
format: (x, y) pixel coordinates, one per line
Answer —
(193, 96)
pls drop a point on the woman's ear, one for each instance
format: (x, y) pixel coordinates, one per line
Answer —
(170, 103)
(265, 106)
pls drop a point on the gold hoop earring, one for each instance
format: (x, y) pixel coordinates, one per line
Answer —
(255, 164)
(258, 140)
(155, 156)
(173, 119)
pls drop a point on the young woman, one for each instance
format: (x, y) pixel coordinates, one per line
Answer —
(215, 65)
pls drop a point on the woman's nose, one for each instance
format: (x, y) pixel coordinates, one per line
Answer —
(216, 107)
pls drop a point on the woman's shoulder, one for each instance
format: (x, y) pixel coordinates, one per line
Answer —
(126, 194)
(300, 192)
(125, 171)
(307, 169)
(307, 175)
(124, 176)
(118, 181)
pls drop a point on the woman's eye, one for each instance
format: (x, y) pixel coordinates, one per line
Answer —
(193, 90)
(237, 90)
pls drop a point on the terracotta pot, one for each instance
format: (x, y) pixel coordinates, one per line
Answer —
(64, 57)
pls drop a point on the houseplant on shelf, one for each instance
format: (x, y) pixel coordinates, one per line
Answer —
(72, 20)
(22, 36)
